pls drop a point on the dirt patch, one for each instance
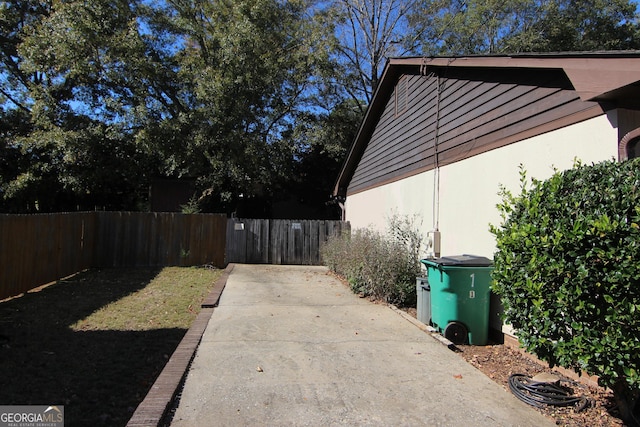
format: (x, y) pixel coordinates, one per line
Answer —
(499, 362)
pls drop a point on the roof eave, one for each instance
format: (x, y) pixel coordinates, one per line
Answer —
(591, 77)
(374, 109)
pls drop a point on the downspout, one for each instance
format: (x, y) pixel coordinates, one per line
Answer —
(436, 178)
(433, 237)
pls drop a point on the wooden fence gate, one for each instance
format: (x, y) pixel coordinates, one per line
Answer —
(279, 241)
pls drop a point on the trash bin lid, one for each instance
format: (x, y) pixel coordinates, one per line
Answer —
(464, 260)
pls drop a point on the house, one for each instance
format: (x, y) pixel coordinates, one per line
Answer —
(443, 134)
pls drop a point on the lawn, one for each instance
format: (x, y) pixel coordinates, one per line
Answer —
(96, 342)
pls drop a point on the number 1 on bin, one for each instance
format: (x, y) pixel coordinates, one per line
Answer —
(472, 293)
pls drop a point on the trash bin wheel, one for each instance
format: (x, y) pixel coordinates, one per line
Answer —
(457, 333)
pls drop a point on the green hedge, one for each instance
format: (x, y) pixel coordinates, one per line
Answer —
(567, 269)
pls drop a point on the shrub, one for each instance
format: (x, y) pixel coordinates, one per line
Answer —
(381, 266)
(192, 206)
(567, 271)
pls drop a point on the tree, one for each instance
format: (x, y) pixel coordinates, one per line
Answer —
(250, 67)
(572, 25)
(40, 128)
(370, 31)
(567, 273)
(322, 142)
(14, 124)
(470, 26)
(61, 64)
(183, 88)
(512, 26)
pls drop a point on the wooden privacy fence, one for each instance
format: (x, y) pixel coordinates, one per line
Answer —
(138, 239)
(38, 249)
(279, 241)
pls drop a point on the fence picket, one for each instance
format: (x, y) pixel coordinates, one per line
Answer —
(279, 241)
(42, 248)
(39, 249)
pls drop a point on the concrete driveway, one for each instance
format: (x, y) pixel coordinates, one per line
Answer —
(292, 346)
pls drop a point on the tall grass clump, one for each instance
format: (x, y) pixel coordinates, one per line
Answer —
(377, 265)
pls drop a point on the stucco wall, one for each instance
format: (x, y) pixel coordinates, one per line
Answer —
(469, 189)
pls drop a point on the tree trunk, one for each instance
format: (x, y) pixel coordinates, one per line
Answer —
(628, 402)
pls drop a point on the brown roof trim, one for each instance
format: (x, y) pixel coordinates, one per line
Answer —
(592, 75)
(596, 76)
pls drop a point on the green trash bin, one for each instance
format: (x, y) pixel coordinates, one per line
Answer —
(460, 287)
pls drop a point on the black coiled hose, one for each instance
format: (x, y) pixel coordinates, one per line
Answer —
(541, 394)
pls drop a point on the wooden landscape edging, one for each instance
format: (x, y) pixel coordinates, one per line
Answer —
(156, 404)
